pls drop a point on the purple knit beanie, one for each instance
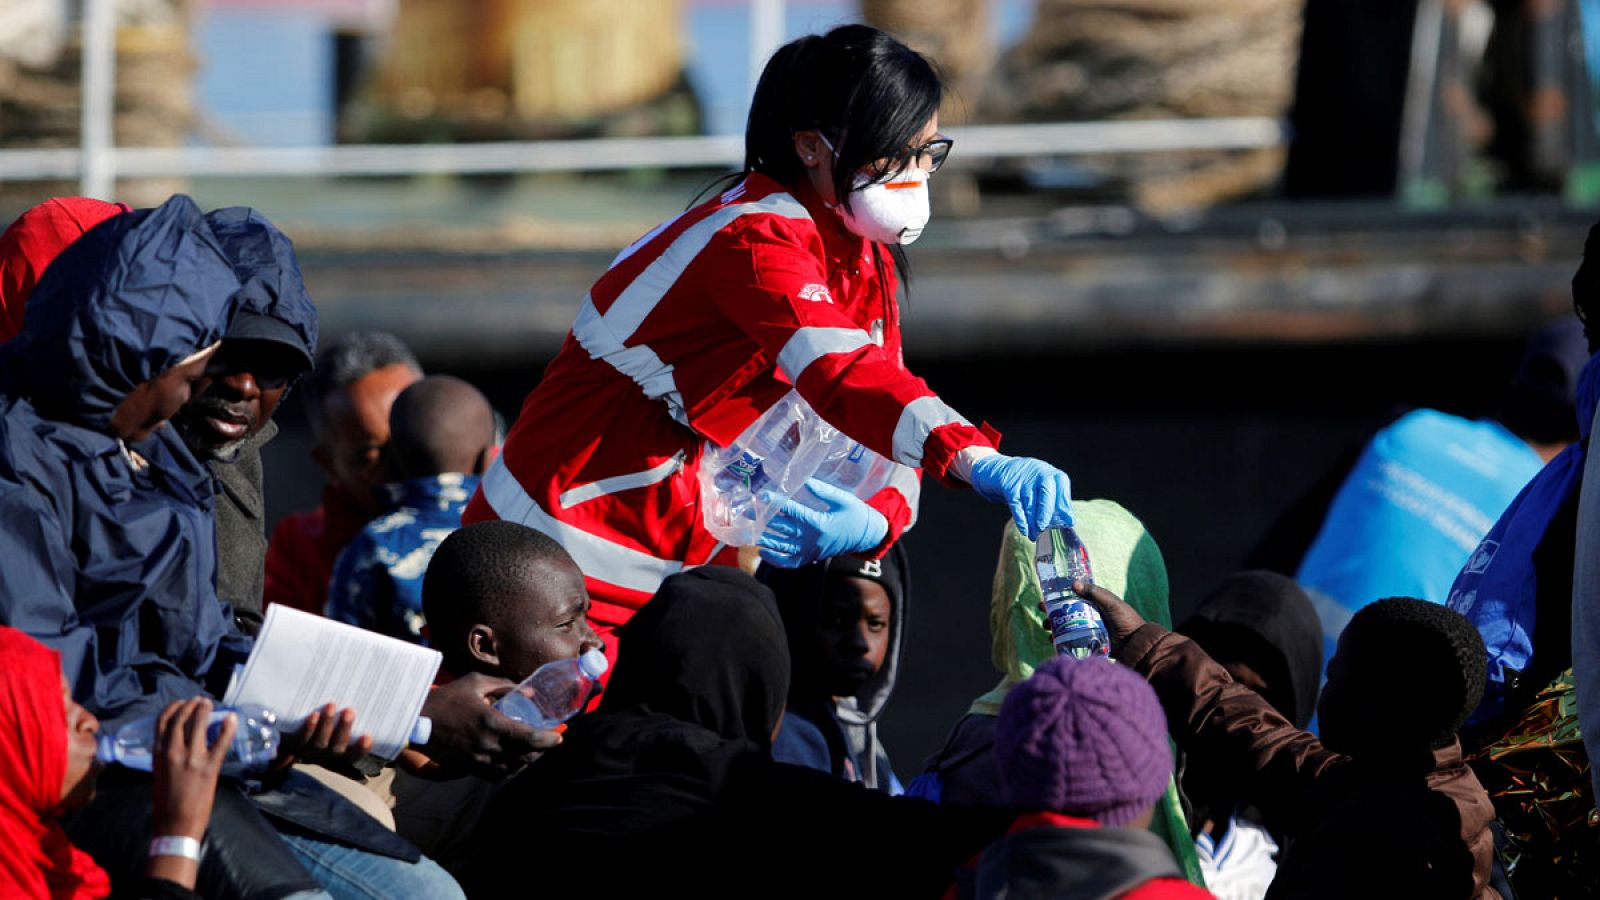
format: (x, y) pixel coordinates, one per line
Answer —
(1085, 738)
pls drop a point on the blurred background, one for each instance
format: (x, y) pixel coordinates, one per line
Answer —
(1193, 251)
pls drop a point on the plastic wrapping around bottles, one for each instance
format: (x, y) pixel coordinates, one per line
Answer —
(743, 484)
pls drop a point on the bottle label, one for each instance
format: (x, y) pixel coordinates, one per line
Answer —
(746, 467)
(1077, 629)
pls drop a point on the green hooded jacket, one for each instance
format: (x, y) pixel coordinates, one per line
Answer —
(1127, 562)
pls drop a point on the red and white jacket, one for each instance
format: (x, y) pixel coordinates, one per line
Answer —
(696, 329)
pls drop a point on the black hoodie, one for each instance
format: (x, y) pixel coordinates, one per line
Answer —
(846, 727)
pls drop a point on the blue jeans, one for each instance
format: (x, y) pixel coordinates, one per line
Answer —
(351, 874)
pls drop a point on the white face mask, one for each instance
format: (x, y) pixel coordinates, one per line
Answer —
(893, 210)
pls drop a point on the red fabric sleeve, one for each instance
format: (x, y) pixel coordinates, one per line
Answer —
(779, 298)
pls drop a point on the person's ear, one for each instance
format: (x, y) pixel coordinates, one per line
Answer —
(812, 151)
(482, 645)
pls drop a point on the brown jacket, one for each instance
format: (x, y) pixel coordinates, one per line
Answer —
(1412, 826)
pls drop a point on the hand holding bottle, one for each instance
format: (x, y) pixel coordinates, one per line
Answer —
(1038, 494)
(799, 534)
(1121, 619)
(185, 770)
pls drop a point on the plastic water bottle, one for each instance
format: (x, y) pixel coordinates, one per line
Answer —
(743, 484)
(1076, 628)
(555, 692)
(254, 746)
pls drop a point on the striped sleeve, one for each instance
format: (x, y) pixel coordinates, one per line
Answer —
(775, 291)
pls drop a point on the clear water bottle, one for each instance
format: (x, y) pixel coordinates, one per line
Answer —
(254, 747)
(555, 692)
(1075, 625)
(743, 484)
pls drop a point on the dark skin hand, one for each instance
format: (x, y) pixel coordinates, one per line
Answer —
(185, 775)
(471, 737)
(325, 739)
(1121, 619)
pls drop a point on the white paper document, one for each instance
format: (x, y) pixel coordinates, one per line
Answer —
(302, 662)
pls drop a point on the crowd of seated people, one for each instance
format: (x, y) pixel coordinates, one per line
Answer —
(734, 747)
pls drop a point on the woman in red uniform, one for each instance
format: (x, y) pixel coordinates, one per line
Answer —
(785, 281)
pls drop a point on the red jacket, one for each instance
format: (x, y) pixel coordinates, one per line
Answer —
(696, 330)
(304, 547)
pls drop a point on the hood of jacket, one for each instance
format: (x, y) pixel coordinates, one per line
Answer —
(1126, 561)
(133, 297)
(801, 593)
(271, 287)
(1278, 613)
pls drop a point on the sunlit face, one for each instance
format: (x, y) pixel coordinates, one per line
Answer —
(358, 428)
(853, 633)
(148, 406)
(237, 395)
(83, 730)
(551, 622)
(818, 158)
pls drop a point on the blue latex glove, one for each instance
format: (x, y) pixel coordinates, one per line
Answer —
(1038, 494)
(799, 535)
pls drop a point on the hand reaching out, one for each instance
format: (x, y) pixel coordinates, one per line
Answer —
(1121, 619)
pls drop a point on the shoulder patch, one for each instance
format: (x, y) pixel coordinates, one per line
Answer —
(817, 293)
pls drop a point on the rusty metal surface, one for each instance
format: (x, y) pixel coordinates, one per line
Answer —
(1086, 276)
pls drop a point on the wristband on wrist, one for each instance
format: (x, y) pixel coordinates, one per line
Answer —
(186, 847)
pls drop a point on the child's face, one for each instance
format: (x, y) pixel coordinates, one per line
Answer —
(77, 788)
(550, 622)
(853, 633)
(1346, 715)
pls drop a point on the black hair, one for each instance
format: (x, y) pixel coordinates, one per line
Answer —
(1426, 657)
(1586, 286)
(348, 360)
(478, 575)
(868, 93)
(440, 424)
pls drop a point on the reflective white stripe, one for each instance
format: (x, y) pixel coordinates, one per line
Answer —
(616, 483)
(597, 557)
(639, 298)
(639, 363)
(807, 345)
(920, 417)
(908, 482)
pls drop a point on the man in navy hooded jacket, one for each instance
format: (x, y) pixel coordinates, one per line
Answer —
(109, 550)
(271, 341)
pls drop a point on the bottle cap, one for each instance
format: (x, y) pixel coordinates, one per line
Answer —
(105, 748)
(593, 663)
(422, 731)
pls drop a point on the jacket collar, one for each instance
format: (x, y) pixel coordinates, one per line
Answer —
(838, 242)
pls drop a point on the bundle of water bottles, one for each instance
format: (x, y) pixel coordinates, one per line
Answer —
(743, 485)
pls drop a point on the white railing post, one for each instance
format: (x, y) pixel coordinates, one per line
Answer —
(766, 35)
(99, 87)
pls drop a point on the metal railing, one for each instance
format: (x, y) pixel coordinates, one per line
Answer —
(98, 162)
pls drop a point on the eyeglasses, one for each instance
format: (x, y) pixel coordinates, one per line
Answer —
(929, 156)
